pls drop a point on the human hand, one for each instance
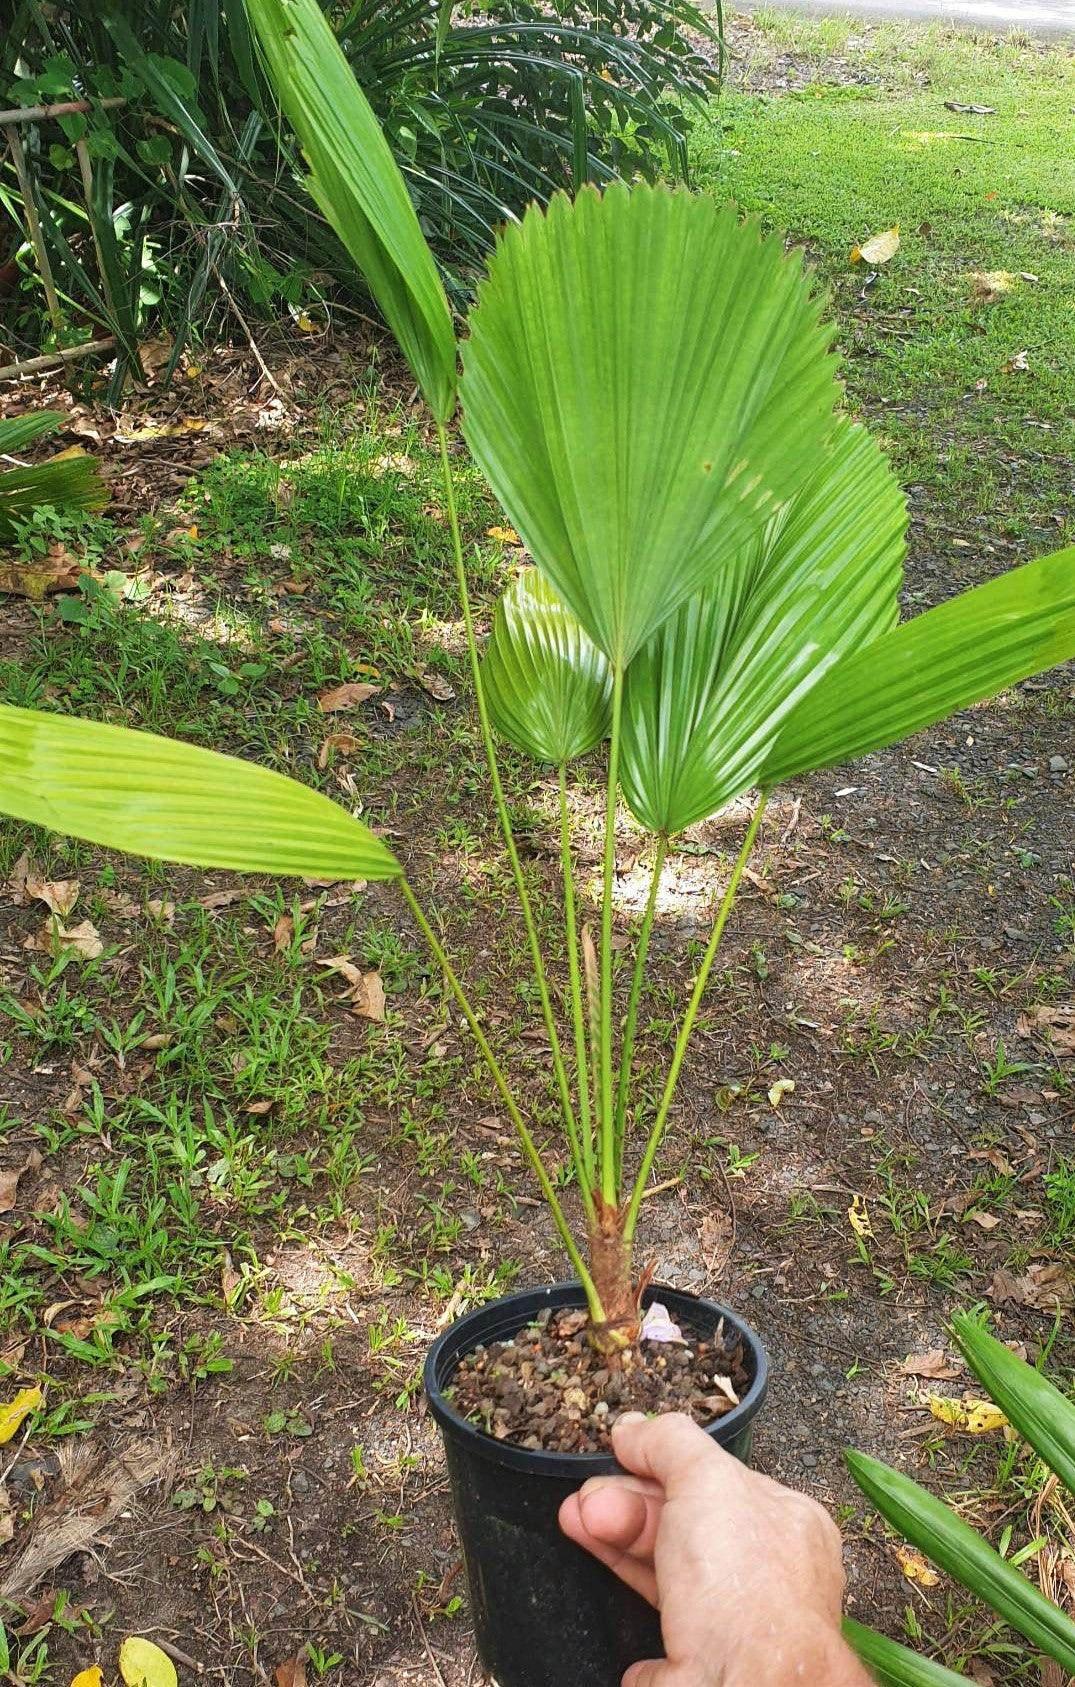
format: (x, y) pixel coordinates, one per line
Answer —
(747, 1575)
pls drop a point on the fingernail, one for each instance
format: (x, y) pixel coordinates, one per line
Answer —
(629, 1417)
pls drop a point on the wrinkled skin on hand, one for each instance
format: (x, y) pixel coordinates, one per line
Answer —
(747, 1575)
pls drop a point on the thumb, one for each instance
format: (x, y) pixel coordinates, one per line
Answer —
(658, 1672)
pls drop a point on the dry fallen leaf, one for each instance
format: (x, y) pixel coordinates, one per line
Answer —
(984, 1221)
(915, 1567)
(59, 895)
(16, 884)
(14, 1414)
(221, 898)
(1054, 1026)
(503, 535)
(366, 992)
(369, 1002)
(53, 939)
(436, 686)
(347, 696)
(1044, 1288)
(935, 1364)
(7, 1522)
(777, 1091)
(970, 1417)
(9, 1180)
(291, 1673)
(142, 1664)
(879, 249)
(343, 743)
(1017, 365)
(57, 571)
(992, 284)
(282, 933)
(977, 110)
(858, 1216)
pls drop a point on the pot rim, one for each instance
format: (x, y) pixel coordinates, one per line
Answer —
(577, 1466)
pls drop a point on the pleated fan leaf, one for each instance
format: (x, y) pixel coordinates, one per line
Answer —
(548, 685)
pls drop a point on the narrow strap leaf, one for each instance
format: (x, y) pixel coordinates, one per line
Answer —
(947, 1541)
(894, 1665)
(967, 649)
(1044, 1416)
(357, 184)
(175, 802)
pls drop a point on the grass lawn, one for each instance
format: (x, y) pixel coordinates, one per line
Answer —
(961, 349)
(240, 1209)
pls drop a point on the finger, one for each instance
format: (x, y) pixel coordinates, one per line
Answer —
(658, 1672)
(668, 1449)
(635, 1573)
(625, 1518)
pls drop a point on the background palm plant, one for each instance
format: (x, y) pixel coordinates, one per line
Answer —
(1046, 1419)
(69, 480)
(177, 196)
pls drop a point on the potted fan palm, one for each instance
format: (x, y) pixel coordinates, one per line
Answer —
(711, 610)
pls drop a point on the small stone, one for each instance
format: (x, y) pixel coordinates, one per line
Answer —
(300, 1483)
(1057, 764)
(758, 1291)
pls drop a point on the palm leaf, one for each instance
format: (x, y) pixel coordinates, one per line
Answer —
(70, 481)
(706, 697)
(1041, 1414)
(646, 378)
(174, 802)
(967, 649)
(357, 185)
(547, 684)
(894, 1665)
(945, 1539)
(17, 431)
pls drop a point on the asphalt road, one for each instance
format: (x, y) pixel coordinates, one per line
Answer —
(1040, 17)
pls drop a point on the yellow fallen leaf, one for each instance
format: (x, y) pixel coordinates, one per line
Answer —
(992, 284)
(879, 248)
(777, 1091)
(915, 1567)
(503, 535)
(142, 1664)
(14, 1414)
(858, 1217)
(88, 1678)
(971, 1417)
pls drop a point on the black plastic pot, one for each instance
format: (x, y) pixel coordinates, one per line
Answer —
(545, 1613)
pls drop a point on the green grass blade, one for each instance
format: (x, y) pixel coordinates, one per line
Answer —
(646, 378)
(965, 650)
(952, 1544)
(175, 802)
(1041, 1414)
(358, 186)
(894, 1665)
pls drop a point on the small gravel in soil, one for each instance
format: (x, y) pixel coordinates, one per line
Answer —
(551, 1390)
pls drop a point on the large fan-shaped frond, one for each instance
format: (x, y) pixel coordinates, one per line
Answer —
(646, 381)
(175, 802)
(706, 696)
(548, 685)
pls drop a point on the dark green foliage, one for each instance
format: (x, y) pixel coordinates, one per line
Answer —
(196, 207)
